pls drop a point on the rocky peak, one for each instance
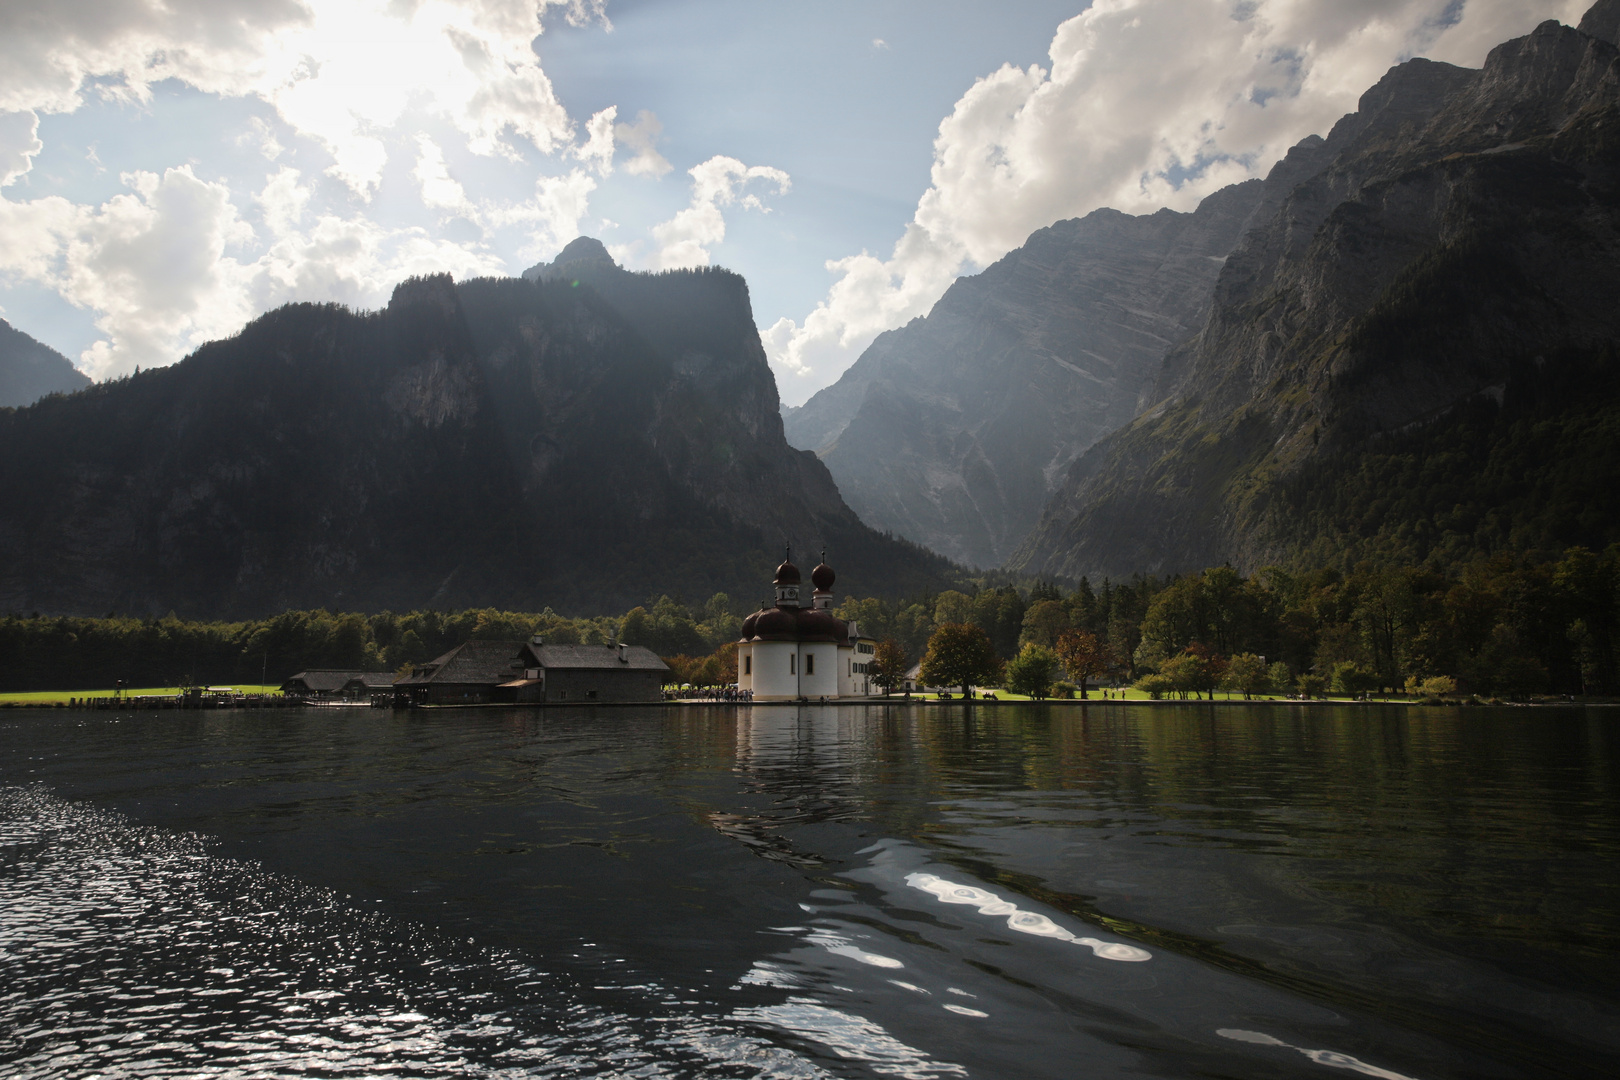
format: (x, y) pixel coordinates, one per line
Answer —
(581, 253)
(1602, 21)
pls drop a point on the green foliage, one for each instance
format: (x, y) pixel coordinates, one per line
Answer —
(960, 654)
(1155, 686)
(1030, 672)
(1249, 674)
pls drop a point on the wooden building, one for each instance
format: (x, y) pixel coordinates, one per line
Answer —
(532, 672)
(587, 673)
(469, 674)
(321, 684)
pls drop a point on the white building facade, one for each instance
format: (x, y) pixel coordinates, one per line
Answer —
(796, 651)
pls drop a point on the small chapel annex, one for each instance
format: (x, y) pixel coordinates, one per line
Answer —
(796, 650)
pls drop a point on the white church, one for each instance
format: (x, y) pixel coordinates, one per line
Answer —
(796, 650)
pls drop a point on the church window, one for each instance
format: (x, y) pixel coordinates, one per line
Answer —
(748, 665)
(809, 663)
(793, 664)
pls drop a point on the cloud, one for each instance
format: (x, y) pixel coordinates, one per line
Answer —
(598, 146)
(684, 239)
(160, 264)
(879, 43)
(150, 262)
(642, 137)
(338, 71)
(1146, 103)
(440, 190)
(19, 142)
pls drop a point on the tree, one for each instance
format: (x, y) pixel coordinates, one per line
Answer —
(1044, 622)
(1030, 672)
(1186, 673)
(1352, 678)
(960, 654)
(889, 663)
(1248, 673)
(1311, 685)
(1083, 656)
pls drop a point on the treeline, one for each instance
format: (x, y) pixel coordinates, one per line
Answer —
(1512, 625)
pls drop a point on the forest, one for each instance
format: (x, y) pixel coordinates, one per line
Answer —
(1511, 626)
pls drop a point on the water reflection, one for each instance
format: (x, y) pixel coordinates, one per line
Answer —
(840, 890)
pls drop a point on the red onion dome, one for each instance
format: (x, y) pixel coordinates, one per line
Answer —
(787, 574)
(822, 577)
(794, 624)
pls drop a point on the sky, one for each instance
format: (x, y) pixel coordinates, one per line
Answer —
(171, 170)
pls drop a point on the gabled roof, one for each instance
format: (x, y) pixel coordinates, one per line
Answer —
(328, 680)
(476, 662)
(371, 680)
(575, 657)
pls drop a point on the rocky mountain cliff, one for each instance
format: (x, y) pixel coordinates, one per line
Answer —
(30, 369)
(955, 429)
(1438, 301)
(522, 443)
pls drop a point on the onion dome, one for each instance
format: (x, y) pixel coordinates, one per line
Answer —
(794, 624)
(787, 574)
(822, 577)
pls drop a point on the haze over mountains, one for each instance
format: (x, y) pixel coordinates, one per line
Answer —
(1302, 358)
(30, 369)
(499, 442)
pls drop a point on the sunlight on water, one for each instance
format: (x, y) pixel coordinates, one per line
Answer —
(133, 951)
(1025, 922)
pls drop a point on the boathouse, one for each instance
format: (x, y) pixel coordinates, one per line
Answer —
(586, 673)
(320, 684)
(469, 674)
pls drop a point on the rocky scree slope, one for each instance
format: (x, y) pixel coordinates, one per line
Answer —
(1459, 251)
(498, 442)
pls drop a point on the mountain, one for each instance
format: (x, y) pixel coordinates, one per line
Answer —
(1414, 355)
(579, 443)
(954, 430)
(29, 369)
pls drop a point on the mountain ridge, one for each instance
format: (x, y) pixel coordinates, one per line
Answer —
(502, 442)
(30, 369)
(1430, 263)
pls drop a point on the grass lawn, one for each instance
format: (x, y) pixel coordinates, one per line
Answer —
(51, 697)
(1130, 693)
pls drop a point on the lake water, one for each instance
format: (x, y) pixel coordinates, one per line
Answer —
(1179, 891)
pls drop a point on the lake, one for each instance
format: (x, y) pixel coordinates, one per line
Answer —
(851, 891)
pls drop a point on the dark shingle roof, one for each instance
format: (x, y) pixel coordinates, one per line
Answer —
(477, 662)
(371, 680)
(329, 680)
(566, 657)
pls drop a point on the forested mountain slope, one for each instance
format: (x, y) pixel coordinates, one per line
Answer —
(503, 441)
(30, 369)
(1413, 355)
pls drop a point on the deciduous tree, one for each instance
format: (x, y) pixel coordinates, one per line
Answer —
(960, 654)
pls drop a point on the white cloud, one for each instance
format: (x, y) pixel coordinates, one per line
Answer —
(1146, 103)
(338, 71)
(157, 265)
(439, 189)
(598, 146)
(642, 137)
(553, 214)
(684, 239)
(19, 142)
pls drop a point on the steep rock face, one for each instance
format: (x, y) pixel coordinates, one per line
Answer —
(1465, 229)
(30, 369)
(954, 430)
(503, 441)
